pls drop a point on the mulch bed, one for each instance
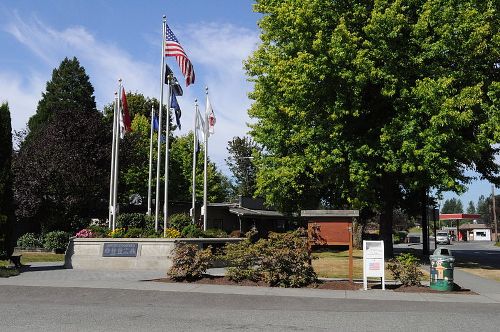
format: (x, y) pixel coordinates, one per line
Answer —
(321, 284)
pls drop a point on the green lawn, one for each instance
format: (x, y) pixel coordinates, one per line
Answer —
(335, 264)
(33, 257)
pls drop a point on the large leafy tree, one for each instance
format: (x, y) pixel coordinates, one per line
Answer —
(6, 179)
(68, 89)
(240, 162)
(373, 103)
(62, 166)
(62, 173)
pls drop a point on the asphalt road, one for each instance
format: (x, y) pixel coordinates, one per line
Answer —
(83, 309)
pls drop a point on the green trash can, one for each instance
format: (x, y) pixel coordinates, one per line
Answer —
(442, 270)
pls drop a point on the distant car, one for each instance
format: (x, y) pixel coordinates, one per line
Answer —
(442, 238)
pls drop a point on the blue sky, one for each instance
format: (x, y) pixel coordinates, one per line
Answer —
(122, 39)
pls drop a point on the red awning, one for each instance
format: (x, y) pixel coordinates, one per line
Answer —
(458, 216)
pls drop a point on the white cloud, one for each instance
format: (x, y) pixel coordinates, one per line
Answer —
(104, 62)
(22, 96)
(217, 52)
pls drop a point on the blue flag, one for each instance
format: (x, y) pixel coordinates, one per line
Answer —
(156, 128)
(175, 105)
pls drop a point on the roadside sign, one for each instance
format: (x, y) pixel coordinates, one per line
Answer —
(373, 261)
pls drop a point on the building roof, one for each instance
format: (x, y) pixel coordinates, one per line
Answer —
(455, 216)
(473, 226)
(329, 213)
(245, 212)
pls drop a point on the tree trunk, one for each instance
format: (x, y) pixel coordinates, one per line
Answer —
(425, 229)
(387, 214)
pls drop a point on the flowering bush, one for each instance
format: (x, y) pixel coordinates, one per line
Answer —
(29, 240)
(172, 233)
(85, 233)
(117, 233)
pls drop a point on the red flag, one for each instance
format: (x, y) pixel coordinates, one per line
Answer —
(126, 124)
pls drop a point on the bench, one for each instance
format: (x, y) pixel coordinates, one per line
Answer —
(14, 259)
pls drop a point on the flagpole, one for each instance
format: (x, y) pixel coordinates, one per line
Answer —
(158, 162)
(205, 163)
(112, 171)
(167, 140)
(193, 184)
(150, 160)
(117, 157)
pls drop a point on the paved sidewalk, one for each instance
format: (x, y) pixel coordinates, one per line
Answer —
(54, 275)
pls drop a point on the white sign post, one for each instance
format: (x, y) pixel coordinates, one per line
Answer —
(373, 261)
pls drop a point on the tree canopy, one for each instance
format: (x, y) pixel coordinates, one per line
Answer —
(6, 180)
(453, 205)
(62, 174)
(373, 103)
(69, 89)
(240, 162)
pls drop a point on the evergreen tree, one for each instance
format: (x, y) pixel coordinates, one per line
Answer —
(240, 162)
(453, 205)
(6, 179)
(471, 208)
(69, 89)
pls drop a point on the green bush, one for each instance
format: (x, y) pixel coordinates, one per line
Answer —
(56, 240)
(151, 233)
(405, 268)
(285, 259)
(134, 233)
(281, 260)
(179, 221)
(242, 259)
(99, 231)
(191, 231)
(29, 240)
(189, 263)
(131, 220)
(214, 233)
(399, 237)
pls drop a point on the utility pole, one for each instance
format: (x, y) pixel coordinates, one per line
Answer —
(494, 212)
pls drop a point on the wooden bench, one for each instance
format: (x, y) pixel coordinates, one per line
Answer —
(14, 259)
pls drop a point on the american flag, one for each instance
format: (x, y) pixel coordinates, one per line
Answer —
(174, 48)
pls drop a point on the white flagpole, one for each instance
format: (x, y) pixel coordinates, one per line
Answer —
(205, 162)
(112, 171)
(195, 143)
(117, 158)
(158, 162)
(167, 140)
(150, 160)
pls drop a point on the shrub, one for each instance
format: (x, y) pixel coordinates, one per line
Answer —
(405, 268)
(191, 231)
(29, 240)
(117, 233)
(285, 260)
(98, 231)
(151, 233)
(172, 233)
(179, 221)
(85, 233)
(56, 240)
(133, 233)
(189, 263)
(131, 220)
(214, 233)
(242, 259)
